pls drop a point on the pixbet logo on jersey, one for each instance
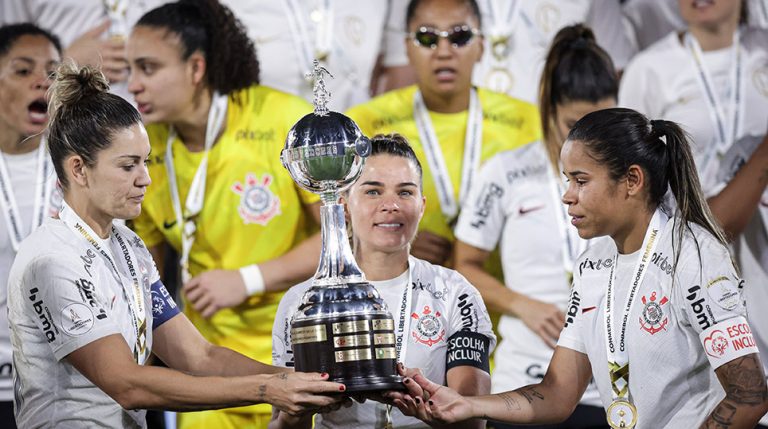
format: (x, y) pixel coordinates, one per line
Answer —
(257, 203)
(589, 264)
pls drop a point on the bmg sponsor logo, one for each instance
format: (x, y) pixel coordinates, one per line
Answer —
(485, 202)
(700, 308)
(467, 313)
(573, 308)
(44, 315)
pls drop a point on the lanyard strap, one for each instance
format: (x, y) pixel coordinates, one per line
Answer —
(404, 315)
(135, 297)
(307, 46)
(503, 23)
(44, 184)
(196, 197)
(434, 154)
(572, 244)
(727, 130)
(618, 357)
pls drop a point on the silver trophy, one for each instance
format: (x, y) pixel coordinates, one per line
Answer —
(342, 325)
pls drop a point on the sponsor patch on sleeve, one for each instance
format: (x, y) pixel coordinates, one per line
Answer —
(728, 340)
(163, 305)
(468, 349)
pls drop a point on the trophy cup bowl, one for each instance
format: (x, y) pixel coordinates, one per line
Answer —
(342, 325)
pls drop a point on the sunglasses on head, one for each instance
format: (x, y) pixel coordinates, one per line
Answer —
(429, 37)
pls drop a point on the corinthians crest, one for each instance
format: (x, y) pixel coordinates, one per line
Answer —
(653, 319)
(429, 329)
(257, 203)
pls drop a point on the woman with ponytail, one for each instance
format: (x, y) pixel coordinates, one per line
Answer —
(221, 198)
(517, 207)
(85, 302)
(656, 314)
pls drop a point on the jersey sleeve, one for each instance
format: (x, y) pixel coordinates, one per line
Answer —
(710, 294)
(482, 216)
(69, 309)
(470, 337)
(570, 336)
(282, 352)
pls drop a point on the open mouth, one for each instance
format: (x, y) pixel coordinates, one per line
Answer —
(143, 108)
(391, 226)
(445, 74)
(38, 111)
(703, 3)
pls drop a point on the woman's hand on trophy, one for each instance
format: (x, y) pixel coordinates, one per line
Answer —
(430, 402)
(298, 393)
(214, 290)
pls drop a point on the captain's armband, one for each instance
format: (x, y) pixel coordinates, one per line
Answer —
(467, 348)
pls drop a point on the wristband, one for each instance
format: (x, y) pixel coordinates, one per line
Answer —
(728, 340)
(254, 281)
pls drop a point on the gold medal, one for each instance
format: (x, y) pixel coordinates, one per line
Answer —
(621, 414)
(499, 79)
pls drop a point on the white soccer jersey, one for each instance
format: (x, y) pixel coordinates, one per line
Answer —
(673, 92)
(671, 380)
(356, 40)
(22, 170)
(516, 202)
(62, 296)
(443, 304)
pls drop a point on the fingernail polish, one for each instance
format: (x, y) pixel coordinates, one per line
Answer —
(407, 381)
(431, 403)
(418, 400)
(342, 388)
(323, 374)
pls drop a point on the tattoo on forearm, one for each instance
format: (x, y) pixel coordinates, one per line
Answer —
(744, 381)
(262, 392)
(530, 393)
(510, 400)
(722, 417)
(283, 376)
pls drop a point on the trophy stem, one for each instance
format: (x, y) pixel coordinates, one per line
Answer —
(337, 264)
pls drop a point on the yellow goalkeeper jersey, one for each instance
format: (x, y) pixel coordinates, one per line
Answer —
(252, 212)
(507, 124)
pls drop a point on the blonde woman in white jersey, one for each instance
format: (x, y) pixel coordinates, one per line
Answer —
(658, 318)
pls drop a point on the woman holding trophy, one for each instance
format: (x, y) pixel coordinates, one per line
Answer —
(656, 314)
(447, 332)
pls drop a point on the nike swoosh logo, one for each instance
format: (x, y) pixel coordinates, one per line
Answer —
(168, 225)
(524, 210)
(586, 309)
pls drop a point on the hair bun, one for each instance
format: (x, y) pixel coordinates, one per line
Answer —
(72, 84)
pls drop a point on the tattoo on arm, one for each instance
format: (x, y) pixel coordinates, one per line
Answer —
(530, 393)
(510, 400)
(744, 381)
(722, 417)
(262, 392)
(283, 376)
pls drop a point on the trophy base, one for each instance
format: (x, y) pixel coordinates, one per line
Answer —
(356, 350)
(373, 384)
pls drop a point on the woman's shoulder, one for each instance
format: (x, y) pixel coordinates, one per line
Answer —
(668, 50)
(496, 102)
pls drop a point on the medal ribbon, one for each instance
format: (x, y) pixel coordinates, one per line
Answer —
(44, 183)
(618, 357)
(725, 129)
(472, 145)
(503, 22)
(309, 47)
(196, 197)
(135, 297)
